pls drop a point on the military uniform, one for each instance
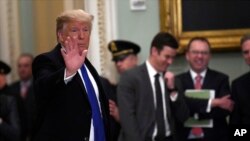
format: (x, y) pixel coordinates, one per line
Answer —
(9, 122)
(120, 49)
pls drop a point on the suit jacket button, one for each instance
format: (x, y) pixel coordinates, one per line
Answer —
(89, 113)
(86, 139)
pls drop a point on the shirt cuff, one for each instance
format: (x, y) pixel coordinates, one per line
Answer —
(209, 105)
(69, 78)
(173, 97)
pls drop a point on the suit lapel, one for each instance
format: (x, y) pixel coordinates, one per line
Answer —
(207, 80)
(167, 102)
(147, 93)
(147, 85)
(188, 81)
(102, 97)
(97, 80)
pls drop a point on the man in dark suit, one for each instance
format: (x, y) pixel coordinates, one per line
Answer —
(146, 111)
(215, 109)
(70, 99)
(9, 121)
(23, 91)
(124, 55)
(241, 90)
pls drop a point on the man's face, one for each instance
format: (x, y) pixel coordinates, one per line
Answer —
(127, 63)
(246, 51)
(25, 68)
(79, 31)
(198, 55)
(163, 59)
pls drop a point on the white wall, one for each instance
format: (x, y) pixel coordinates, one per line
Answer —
(138, 26)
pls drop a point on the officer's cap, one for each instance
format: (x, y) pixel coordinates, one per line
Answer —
(4, 68)
(120, 49)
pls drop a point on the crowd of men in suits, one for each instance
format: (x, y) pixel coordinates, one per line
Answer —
(17, 101)
(62, 97)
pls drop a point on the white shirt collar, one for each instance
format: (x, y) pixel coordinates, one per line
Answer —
(151, 70)
(194, 74)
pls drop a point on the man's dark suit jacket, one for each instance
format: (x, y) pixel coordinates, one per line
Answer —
(241, 96)
(218, 82)
(26, 108)
(64, 112)
(110, 90)
(9, 128)
(136, 105)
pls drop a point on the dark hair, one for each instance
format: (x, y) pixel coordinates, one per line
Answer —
(244, 39)
(203, 39)
(164, 39)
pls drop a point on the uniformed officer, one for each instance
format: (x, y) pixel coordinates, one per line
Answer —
(124, 54)
(9, 122)
(4, 70)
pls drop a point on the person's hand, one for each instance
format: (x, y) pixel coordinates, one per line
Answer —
(114, 111)
(72, 55)
(224, 102)
(169, 78)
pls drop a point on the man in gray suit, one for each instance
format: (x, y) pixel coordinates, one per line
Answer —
(148, 94)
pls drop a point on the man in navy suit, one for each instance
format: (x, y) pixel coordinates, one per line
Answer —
(68, 91)
(23, 91)
(241, 89)
(216, 109)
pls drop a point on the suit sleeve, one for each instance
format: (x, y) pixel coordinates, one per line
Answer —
(9, 128)
(180, 108)
(127, 108)
(223, 89)
(48, 79)
(46, 73)
(235, 115)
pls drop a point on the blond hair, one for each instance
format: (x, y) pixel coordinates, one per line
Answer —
(73, 15)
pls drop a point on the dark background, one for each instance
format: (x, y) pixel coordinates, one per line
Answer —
(200, 15)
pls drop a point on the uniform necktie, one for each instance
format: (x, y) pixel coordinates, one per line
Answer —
(159, 109)
(197, 131)
(99, 133)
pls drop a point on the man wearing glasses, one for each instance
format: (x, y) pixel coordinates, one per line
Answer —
(216, 109)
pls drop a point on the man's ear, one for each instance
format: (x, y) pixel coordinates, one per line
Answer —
(60, 36)
(154, 51)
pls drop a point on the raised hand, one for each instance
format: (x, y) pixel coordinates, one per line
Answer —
(72, 55)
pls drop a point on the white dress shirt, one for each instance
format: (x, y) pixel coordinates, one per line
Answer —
(68, 79)
(152, 72)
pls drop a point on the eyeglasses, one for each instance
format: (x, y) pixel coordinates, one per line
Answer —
(196, 52)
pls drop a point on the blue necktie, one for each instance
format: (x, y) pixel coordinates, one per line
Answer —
(99, 132)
